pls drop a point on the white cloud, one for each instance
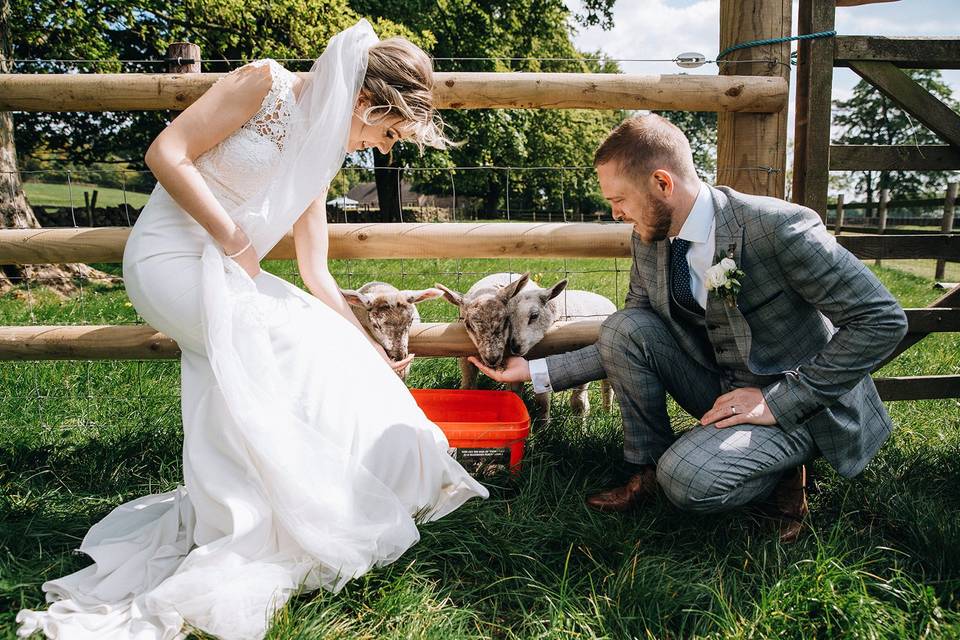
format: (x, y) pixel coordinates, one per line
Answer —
(654, 29)
(662, 29)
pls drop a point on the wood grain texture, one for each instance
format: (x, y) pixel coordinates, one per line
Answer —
(936, 52)
(948, 300)
(142, 342)
(136, 92)
(894, 157)
(439, 240)
(811, 168)
(918, 387)
(752, 148)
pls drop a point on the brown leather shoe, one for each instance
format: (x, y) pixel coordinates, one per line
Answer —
(639, 487)
(790, 501)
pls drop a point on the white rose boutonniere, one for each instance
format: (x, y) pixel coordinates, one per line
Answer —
(723, 278)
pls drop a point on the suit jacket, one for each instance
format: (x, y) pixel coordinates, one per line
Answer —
(808, 312)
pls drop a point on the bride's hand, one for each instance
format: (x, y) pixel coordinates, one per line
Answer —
(247, 258)
(399, 365)
(396, 365)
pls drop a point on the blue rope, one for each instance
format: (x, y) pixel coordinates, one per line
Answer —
(758, 43)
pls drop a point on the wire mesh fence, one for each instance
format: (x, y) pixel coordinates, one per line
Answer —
(69, 394)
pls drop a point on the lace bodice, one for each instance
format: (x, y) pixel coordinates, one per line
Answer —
(243, 163)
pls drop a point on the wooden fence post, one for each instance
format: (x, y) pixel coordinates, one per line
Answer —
(838, 225)
(183, 57)
(811, 151)
(882, 220)
(90, 203)
(752, 148)
(946, 226)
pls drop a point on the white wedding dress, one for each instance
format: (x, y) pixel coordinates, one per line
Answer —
(306, 461)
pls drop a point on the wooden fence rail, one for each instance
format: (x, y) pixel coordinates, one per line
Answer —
(880, 61)
(439, 240)
(141, 342)
(143, 92)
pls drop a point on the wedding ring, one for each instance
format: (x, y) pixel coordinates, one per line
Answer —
(733, 410)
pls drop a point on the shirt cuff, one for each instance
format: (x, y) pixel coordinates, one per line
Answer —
(540, 376)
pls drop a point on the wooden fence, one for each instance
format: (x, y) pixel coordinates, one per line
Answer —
(751, 158)
(445, 240)
(878, 60)
(882, 224)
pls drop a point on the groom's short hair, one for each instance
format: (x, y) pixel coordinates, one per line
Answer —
(642, 144)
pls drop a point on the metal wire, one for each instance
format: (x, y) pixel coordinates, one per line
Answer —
(220, 61)
(126, 208)
(437, 168)
(70, 191)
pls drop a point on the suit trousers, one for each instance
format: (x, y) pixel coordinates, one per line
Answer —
(705, 469)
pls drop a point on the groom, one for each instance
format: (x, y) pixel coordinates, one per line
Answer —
(776, 374)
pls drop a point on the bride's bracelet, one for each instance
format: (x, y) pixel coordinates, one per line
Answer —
(245, 247)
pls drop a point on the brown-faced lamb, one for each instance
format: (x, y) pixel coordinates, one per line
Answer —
(387, 314)
(483, 310)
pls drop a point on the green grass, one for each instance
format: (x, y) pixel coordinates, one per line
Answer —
(61, 195)
(882, 559)
(926, 268)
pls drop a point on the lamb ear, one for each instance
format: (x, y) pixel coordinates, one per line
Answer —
(354, 298)
(555, 290)
(413, 297)
(514, 287)
(450, 295)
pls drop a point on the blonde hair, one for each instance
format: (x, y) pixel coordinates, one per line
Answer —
(643, 144)
(399, 81)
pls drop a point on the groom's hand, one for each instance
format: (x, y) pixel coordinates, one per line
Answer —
(516, 369)
(740, 406)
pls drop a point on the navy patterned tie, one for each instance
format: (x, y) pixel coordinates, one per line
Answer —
(680, 276)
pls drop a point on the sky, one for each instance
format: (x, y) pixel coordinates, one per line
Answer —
(665, 28)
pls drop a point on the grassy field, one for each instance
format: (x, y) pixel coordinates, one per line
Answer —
(926, 268)
(61, 195)
(882, 558)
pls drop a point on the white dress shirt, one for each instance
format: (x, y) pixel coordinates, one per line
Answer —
(700, 229)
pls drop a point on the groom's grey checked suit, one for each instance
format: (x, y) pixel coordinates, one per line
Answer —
(809, 324)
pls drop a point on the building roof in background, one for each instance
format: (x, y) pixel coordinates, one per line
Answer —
(365, 193)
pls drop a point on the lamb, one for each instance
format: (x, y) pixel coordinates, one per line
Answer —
(534, 310)
(387, 314)
(483, 309)
(506, 312)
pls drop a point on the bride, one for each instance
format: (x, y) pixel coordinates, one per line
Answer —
(306, 461)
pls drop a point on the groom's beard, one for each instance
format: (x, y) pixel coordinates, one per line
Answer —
(660, 217)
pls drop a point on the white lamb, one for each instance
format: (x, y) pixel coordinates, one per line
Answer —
(534, 310)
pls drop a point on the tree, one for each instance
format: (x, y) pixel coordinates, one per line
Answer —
(869, 117)
(110, 31)
(504, 34)
(15, 212)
